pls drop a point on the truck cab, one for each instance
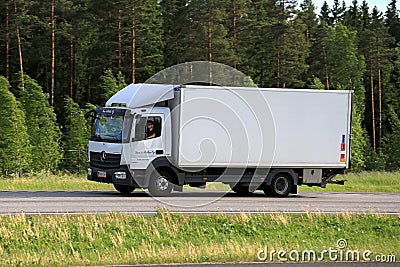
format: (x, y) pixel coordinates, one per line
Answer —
(127, 137)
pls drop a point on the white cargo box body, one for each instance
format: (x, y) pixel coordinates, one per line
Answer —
(255, 127)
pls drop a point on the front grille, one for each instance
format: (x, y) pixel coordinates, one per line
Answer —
(111, 160)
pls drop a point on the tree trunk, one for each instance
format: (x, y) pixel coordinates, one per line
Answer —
(371, 75)
(47, 86)
(308, 32)
(234, 36)
(7, 63)
(21, 65)
(119, 41)
(209, 41)
(52, 53)
(380, 100)
(325, 67)
(89, 90)
(71, 69)
(283, 61)
(278, 65)
(133, 45)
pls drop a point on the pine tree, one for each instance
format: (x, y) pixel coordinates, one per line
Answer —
(236, 12)
(111, 84)
(81, 39)
(352, 17)
(346, 69)
(76, 136)
(392, 142)
(309, 18)
(315, 83)
(276, 55)
(324, 16)
(359, 143)
(202, 32)
(393, 20)
(337, 12)
(365, 16)
(375, 45)
(41, 122)
(392, 92)
(176, 29)
(14, 140)
(149, 42)
(257, 54)
(5, 33)
(317, 59)
(290, 45)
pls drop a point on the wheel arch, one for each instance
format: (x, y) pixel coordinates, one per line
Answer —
(273, 172)
(290, 172)
(162, 163)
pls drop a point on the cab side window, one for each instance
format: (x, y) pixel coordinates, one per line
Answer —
(147, 127)
(153, 127)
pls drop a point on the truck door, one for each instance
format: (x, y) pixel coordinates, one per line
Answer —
(147, 140)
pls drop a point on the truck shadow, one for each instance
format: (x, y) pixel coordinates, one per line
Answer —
(136, 194)
(208, 194)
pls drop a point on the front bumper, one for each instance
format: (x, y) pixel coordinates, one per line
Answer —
(134, 178)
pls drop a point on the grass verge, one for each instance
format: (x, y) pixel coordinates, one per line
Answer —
(46, 181)
(166, 238)
(356, 182)
(388, 182)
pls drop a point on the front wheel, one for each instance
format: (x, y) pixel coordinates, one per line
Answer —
(124, 189)
(160, 184)
(281, 186)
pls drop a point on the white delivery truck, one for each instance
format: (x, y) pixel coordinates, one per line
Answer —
(161, 137)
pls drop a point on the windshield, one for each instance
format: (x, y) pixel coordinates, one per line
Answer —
(111, 125)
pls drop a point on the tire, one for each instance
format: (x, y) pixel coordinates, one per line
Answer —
(124, 189)
(281, 186)
(241, 189)
(160, 184)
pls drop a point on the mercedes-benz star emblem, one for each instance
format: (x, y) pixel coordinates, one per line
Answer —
(103, 156)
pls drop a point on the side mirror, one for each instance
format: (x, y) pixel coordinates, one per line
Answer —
(90, 114)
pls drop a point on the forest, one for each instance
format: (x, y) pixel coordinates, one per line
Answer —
(61, 58)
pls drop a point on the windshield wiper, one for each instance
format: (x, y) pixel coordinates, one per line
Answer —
(98, 137)
(112, 137)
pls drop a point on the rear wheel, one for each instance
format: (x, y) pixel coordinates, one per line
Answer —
(160, 184)
(281, 186)
(124, 189)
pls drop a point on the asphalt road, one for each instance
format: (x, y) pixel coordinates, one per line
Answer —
(49, 202)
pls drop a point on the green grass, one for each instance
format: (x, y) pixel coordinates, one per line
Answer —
(388, 182)
(46, 181)
(356, 182)
(166, 238)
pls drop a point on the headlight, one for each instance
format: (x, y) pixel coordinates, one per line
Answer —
(89, 171)
(120, 175)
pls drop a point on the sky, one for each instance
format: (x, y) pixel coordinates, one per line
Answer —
(381, 4)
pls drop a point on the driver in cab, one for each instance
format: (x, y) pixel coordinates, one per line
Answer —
(150, 132)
